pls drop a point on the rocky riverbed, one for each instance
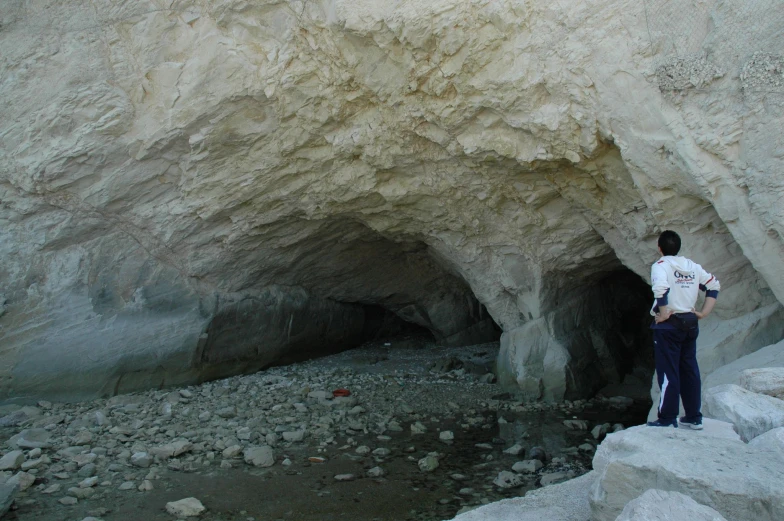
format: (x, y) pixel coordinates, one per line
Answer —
(423, 433)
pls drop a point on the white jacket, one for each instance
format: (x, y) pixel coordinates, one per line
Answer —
(676, 283)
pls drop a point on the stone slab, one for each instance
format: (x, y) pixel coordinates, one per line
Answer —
(733, 478)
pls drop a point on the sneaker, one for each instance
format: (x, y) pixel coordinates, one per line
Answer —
(663, 423)
(693, 423)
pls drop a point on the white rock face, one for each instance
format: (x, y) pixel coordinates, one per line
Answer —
(752, 414)
(744, 483)
(181, 185)
(659, 505)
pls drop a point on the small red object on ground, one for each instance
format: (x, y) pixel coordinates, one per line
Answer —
(341, 392)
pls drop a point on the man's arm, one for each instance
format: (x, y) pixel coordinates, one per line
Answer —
(707, 307)
(710, 285)
(661, 288)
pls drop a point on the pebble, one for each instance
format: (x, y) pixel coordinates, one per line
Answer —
(446, 436)
(68, 500)
(345, 477)
(376, 472)
(262, 456)
(428, 464)
(506, 479)
(141, 459)
(515, 450)
(111, 441)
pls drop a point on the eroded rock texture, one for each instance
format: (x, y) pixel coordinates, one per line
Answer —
(193, 188)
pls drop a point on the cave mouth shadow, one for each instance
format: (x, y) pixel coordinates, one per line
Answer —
(614, 339)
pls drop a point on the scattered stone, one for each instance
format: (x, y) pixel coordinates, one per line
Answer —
(87, 471)
(12, 461)
(141, 459)
(68, 500)
(555, 477)
(294, 436)
(89, 482)
(345, 477)
(32, 439)
(600, 431)
(23, 480)
(506, 479)
(7, 494)
(376, 472)
(428, 464)
(446, 436)
(146, 486)
(528, 466)
(418, 428)
(127, 485)
(188, 507)
(51, 489)
(81, 493)
(232, 452)
(515, 450)
(576, 425)
(538, 453)
(262, 456)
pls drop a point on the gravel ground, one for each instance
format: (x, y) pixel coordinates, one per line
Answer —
(422, 435)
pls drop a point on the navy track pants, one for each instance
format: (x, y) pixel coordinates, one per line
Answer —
(675, 352)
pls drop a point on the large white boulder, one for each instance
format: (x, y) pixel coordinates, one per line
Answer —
(660, 505)
(770, 357)
(566, 501)
(741, 483)
(771, 441)
(764, 380)
(751, 413)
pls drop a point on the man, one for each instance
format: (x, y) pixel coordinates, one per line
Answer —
(676, 282)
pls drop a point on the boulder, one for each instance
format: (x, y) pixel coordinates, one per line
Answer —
(725, 474)
(659, 505)
(766, 380)
(566, 501)
(751, 413)
(770, 357)
(771, 441)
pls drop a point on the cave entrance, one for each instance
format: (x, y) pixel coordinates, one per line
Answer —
(617, 329)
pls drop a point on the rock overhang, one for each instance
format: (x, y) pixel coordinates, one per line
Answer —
(498, 153)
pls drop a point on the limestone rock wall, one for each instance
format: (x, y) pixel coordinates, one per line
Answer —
(445, 160)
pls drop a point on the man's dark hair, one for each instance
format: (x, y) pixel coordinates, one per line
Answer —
(669, 242)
